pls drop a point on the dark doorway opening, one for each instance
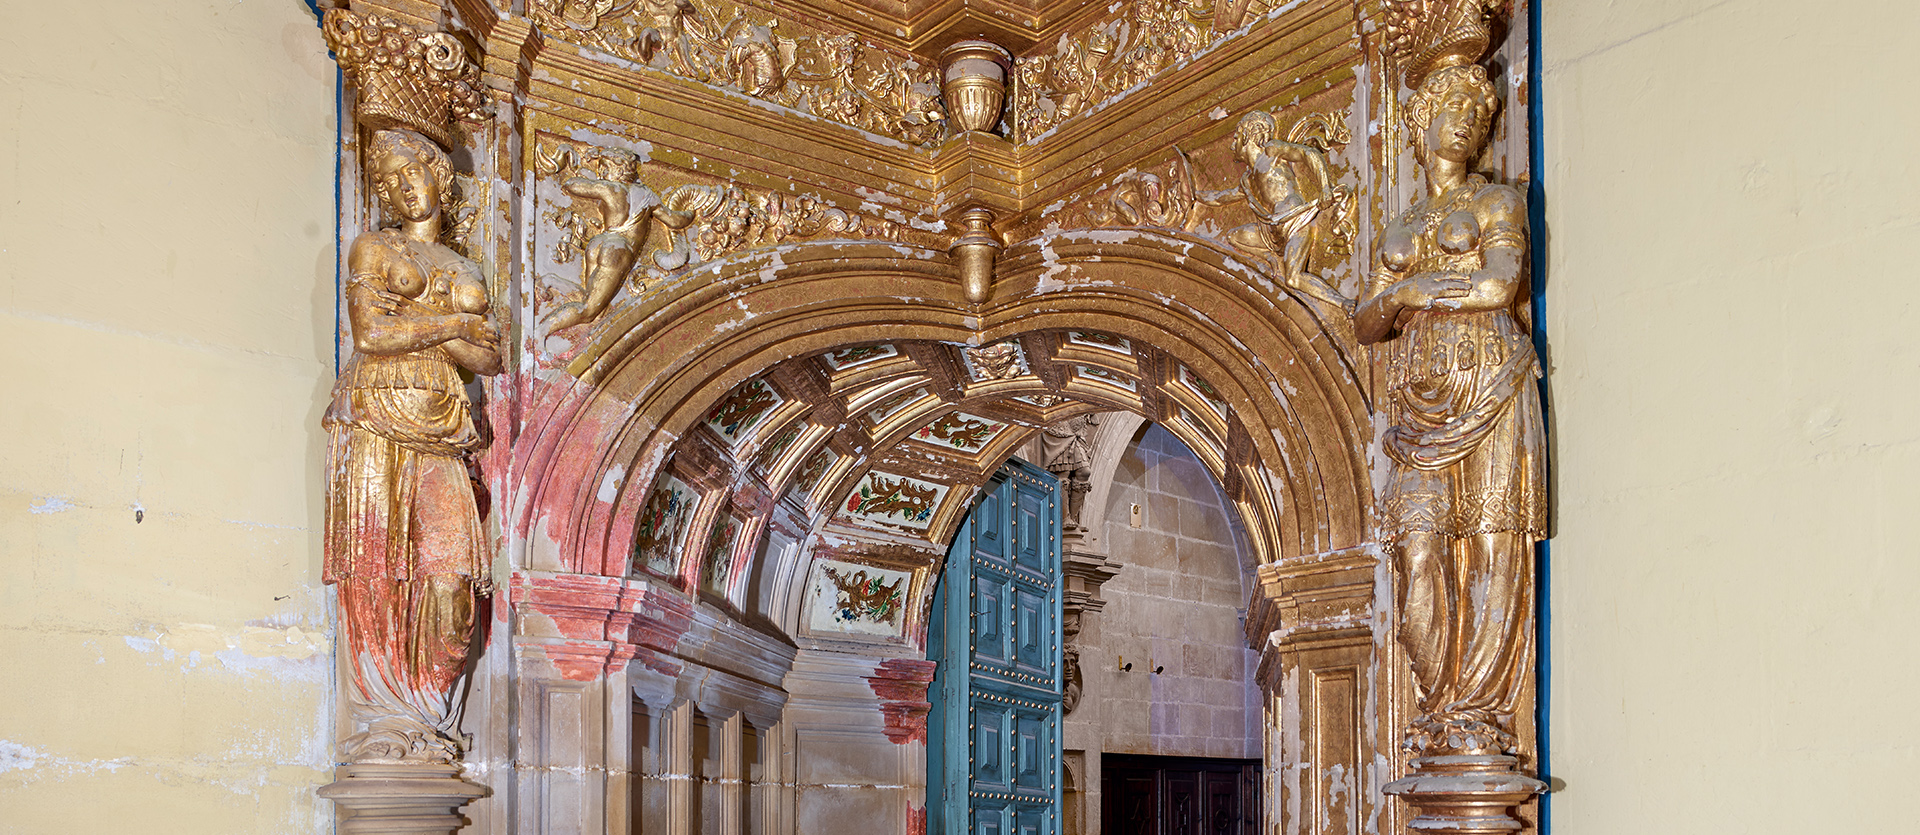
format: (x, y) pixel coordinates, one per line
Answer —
(1142, 795)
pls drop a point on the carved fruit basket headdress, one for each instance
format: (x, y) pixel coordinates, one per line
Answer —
(1431, 35)
(406, 78)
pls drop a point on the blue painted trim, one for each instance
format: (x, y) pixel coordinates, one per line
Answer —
(1543, 551)
(339, 91)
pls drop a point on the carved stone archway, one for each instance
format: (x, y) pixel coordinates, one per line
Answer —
(778, 286)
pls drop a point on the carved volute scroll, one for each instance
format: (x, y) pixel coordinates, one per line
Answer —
(1465, 498)
(405, 546)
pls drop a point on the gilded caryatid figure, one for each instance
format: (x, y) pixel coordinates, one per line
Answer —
(404, 542)
(1466, 496)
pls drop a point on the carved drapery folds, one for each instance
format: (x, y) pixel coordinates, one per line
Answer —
(405, 545)
(1465, 498)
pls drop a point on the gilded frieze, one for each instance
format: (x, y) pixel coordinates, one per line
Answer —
(1087, 69)
(834, 76)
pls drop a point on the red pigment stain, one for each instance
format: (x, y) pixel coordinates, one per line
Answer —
(901, 684)
(607, 622)
(916, 820)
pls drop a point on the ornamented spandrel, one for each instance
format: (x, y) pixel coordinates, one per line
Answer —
(1302, 216)
(606, 227)
(833, 76)
(609, 219)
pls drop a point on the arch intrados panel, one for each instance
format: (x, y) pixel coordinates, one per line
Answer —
(660, 364)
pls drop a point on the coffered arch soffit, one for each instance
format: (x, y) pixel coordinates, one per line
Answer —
(854, 361)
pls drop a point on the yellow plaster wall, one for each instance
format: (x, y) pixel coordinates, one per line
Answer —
(166, 252)
(1735, 351)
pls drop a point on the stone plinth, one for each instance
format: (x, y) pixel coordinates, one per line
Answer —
(1465, 794)
(410, 798)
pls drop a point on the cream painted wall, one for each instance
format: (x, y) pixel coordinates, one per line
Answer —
(166, 309)
(1736, 583)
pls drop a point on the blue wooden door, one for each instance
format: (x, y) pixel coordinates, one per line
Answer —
(994, 753)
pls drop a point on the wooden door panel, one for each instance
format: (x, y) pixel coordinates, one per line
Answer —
(997, 689)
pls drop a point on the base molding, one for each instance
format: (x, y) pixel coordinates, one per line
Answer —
(401, 798)
(1465, 793)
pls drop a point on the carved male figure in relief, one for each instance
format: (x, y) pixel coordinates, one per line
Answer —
(1067, 448)
(1466, 494)
(1291, 192)
(626, 210)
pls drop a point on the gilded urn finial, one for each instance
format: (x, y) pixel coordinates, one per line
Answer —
(975, 83)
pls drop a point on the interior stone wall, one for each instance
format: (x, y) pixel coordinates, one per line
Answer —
(1174, 604)
(1735, 584)
(166, 316)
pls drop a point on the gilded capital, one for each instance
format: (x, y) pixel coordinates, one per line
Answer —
(405, 77)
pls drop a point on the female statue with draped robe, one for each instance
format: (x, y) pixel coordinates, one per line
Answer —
(1465, 498)
(404, 540)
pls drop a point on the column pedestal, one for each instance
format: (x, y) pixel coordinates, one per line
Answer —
(409, 798)
(1465, 794)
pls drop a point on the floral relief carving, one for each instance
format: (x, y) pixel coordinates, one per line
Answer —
(1087, 69)
(836, 76)
(864, 597)
(895, 499)
(960, 431)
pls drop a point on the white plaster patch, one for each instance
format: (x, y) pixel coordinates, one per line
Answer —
(610, 486)
(289, 652)
(17, 757)
(50, 504)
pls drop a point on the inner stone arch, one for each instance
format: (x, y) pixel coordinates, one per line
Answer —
(721, 461)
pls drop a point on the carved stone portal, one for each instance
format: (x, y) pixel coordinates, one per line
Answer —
(773, 288)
